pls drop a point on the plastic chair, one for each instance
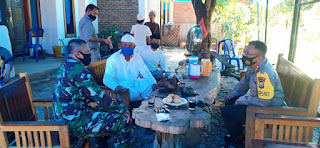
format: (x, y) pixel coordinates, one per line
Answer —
(228, 45)
(38, 32)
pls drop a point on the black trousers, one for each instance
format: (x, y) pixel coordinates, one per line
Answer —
(234, 116)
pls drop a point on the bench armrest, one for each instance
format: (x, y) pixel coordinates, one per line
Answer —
(285, 117)
(125, 95)
(34, 123)
(42, 103)
(281, 110)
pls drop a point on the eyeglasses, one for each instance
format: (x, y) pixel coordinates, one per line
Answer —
(249, 54)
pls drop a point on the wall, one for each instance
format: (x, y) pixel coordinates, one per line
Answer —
(53, 21)
(143, 7)
(122, 13)
(49, 24)
(184, 13)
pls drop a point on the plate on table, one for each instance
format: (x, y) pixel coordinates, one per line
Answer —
(183, 101)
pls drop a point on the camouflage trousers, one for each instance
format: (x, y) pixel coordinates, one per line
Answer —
(100, 122)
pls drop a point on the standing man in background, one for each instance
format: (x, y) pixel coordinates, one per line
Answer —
(88, 33)
(141, 32)
(154, 27)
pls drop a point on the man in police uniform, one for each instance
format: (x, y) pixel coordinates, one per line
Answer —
(265, 90)
(6, 65)
(78, 99)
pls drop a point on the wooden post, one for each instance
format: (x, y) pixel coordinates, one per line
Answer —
(166, 140)
(294, 31)
(64, 137)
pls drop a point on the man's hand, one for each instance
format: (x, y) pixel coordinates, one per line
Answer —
(241, 101)
(129, 120)
(93, 104)
(154, 87)
(120, 89)
(108, 40)
(227, 97)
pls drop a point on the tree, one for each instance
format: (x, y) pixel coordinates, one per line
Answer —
(204, 9)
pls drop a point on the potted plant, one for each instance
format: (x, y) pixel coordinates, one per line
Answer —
(109, 31)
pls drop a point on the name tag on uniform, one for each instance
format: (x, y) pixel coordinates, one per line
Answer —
(264, 86)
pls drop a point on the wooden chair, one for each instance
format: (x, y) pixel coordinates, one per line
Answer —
(97, 70)
(301, 90)
(286, 130)
(18, 118)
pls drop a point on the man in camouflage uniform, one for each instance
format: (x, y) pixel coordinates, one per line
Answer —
(78, 99)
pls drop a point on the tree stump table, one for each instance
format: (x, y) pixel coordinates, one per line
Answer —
(168, 132)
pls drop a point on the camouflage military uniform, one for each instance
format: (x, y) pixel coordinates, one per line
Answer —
(74, 86)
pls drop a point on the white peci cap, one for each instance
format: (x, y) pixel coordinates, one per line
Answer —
(128, 38)
(153, 12)
(140, 17)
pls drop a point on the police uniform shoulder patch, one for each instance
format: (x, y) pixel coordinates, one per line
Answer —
(265, 88)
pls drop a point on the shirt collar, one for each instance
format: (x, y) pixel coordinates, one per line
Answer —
(262, 63)
(87, 17)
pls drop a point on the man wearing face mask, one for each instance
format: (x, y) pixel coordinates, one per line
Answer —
(88, 33)
(125, 70)
(265, 90)
(152, 56)
(78, 99)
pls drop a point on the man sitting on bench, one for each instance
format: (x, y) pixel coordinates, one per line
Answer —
(265, 90)
(78, 99)
(6, 65)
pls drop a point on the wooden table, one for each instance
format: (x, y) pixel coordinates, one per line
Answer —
(207, 87)
(168, 132)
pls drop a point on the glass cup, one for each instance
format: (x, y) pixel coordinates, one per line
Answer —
(151, 100)
(192, 102)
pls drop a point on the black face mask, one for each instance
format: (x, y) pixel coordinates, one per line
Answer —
(92, 17)
(154, 45)
(86, 58)
(248, 61)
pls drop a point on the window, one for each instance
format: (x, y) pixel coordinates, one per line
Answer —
(34, 14)
(69, 19)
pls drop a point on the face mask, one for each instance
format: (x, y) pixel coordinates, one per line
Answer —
(86, 59)
(127, 51)
(92, 17)
(155, 45)
(248, 61)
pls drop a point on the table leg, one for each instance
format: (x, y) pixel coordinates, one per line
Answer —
(165, 140)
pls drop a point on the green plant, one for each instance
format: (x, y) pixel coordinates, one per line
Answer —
(110, 31)
(235, 19)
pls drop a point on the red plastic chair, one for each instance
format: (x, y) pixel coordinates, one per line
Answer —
(38, 32)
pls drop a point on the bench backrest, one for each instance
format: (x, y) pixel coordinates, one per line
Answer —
(15, 102)
(97, 71)
(300, 89)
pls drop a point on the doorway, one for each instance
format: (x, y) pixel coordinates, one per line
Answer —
(15, 21)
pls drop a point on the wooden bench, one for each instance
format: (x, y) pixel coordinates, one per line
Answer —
(301, 90)
(286, 130)
(18, 118)
(97, 70)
